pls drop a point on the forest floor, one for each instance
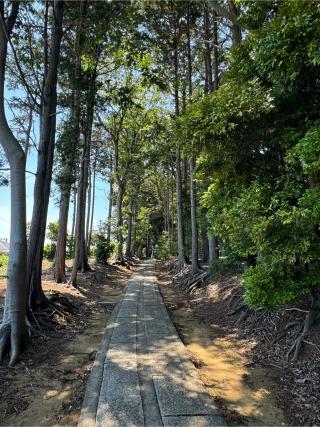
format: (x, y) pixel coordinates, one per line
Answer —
(48, 386)
(245, 366)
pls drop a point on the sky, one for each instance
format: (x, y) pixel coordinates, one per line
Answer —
(101, 204)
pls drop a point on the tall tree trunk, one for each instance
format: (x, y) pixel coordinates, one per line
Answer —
(89, 200)
(133, 233)
(120, 195)
(194, 225)
(193, 197)
(110, 208)
(205, 243)
(60, 259)
(75, 192)
(80, 217)
(181, 246)
(213, 248)
(92, 207)
(83, 254)
(13, 330)
(207, 61)
(129, 238)
(44, 166)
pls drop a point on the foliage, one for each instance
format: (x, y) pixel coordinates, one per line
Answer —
(49, 251)
(225, 266)
(4, 259)
(162, 250)
(103, 249)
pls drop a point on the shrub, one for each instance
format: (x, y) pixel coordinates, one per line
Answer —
(102, 249)
(49, 251)
(162, 247)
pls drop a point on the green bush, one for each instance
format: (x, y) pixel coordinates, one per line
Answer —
(4, 261)
(102, 249)
(49, 251)
(162, 247)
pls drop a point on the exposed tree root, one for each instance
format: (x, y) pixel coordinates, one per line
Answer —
(312, 317)
(12, 342)
(190, 281)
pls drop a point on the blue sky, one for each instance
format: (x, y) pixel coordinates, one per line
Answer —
(101, 204)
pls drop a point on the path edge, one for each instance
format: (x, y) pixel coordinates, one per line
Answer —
(91, 397)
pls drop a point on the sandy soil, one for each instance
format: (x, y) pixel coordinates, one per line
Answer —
(244, 394)
(48, 386)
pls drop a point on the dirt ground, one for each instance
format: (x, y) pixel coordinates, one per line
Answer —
(245, 366)
(48, 386)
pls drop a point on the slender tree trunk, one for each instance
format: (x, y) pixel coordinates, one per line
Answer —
(60, 260)
(181, 246)
(13, 330)
(28, 131)
(215, 52)
(129, 239)
(193, 197)
(74, 216)
(194, 226)
(44, 166)
(92, 207)
(121, 189)
(83, 260)
(208, 63)
(213, 248)
(79, 227)
(89, 200)
(134, 218)
(205, 243)
(110, 209)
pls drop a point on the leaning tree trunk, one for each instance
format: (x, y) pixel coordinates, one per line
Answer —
(44, 166)
(13, 330)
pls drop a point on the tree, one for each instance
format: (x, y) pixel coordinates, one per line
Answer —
(13, 329)
(42, 186)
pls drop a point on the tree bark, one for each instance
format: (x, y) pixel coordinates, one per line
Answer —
(129, 238)
(60, 259)
(213, 248)
(120, 195)
(44, 166)
(110, 208)
(92, 207)
(205, 243)
(13, 330)
(194, 225)
(181, 246)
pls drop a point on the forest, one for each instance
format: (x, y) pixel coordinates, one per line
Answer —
(202, 120)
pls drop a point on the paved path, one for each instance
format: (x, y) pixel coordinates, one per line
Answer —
(142, 375)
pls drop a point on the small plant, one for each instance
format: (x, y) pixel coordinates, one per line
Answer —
(49, 251)
(162, 250)
(103, 249)
(3, 262)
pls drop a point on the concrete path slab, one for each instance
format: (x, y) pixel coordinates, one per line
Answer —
(142, 375)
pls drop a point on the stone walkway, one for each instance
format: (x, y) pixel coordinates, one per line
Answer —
(142, 375)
